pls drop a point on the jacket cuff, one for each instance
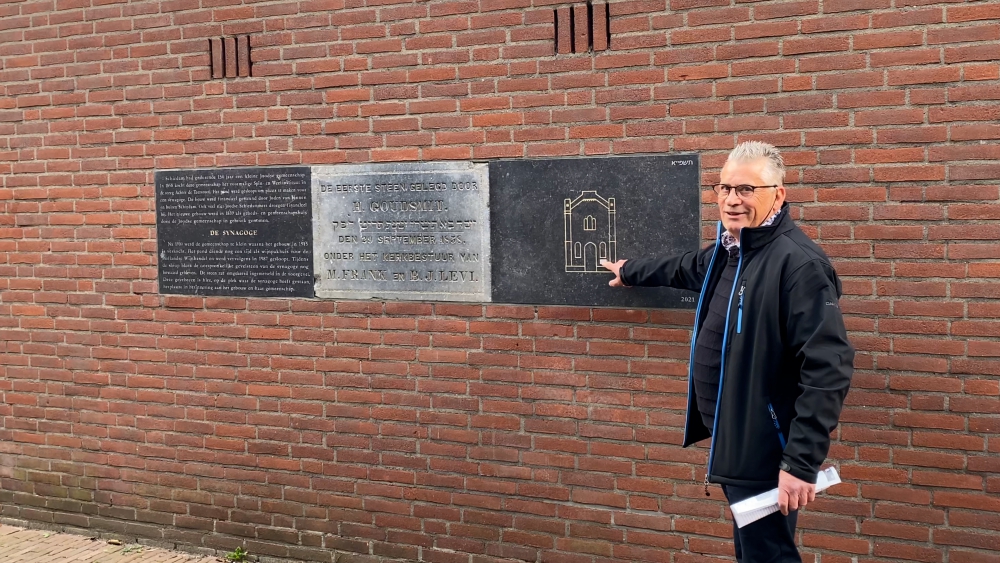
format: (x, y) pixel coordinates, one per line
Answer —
(807, 475)
(621, 274)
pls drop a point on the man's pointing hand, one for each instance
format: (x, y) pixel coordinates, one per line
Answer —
(616, 269)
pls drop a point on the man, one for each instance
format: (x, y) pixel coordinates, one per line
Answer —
(770, 361)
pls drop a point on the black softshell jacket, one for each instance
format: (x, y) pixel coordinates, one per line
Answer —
(786, 364)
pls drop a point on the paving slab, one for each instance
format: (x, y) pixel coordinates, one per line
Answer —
(21, 545)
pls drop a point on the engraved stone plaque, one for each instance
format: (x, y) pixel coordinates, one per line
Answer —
(554, 220)
(414, 231)
(235, 231)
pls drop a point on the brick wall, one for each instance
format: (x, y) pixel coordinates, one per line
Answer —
(464, 433)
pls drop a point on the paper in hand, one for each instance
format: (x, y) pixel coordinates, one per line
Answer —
(755, 508)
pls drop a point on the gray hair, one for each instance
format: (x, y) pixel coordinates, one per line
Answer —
(749, 151)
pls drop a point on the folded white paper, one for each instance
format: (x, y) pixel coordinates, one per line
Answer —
(755, 508)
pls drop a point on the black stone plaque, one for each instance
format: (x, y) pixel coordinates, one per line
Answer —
(553, 220)
(235, 231)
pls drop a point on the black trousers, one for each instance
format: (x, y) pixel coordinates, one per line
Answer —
(768, 540)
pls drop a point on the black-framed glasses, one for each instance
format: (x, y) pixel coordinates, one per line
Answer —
(745, 191)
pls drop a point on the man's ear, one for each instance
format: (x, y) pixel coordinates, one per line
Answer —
(779, 197)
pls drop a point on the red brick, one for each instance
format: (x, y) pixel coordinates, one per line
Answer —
(766, 29)
(698, 72)
(899, 531)
(960, 34)
(924, 76)
(905, 18)
(218, 69)
(954, 55)
(836, 543)
(719, 15)
(947, 480)
(229, 49)
(909, 551)
(564, 37)
(786, 9)
(599, 28)
(836, 23)
(832, 6)
(811, 45)
(972, 13)
(581, 41)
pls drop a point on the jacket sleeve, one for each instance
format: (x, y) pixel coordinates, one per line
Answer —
(683, 271)
(816, 335)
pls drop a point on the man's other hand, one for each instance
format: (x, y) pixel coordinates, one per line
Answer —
(616, 269)
(793, 493)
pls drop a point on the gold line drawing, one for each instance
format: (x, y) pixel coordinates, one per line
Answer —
(589, 229)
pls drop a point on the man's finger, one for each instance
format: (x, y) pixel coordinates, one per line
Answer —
(783, 502)
(812, 494)
(803, 498)
(615, 268)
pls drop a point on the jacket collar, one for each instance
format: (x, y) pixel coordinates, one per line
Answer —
(757, 237)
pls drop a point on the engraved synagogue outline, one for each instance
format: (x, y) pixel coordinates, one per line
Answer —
(589, 228)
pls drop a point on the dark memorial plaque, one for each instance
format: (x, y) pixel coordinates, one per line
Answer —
(553, 220)
(416, 231)
(235, 231)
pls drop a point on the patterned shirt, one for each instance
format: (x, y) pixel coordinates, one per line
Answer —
(730, 242)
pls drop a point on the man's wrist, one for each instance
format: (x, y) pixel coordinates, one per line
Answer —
(798, 473)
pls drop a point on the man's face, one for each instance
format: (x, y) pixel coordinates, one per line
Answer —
(736, 212)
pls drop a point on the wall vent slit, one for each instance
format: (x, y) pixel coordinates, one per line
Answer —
(582, 28)
(229, 57)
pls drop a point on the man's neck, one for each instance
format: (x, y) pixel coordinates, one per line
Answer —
(729, 238)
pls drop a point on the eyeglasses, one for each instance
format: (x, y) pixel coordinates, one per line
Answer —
(745, 191)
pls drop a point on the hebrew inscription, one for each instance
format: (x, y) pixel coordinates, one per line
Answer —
(417, 231)
(235, 231)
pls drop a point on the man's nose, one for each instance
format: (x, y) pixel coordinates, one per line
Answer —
(732, 198)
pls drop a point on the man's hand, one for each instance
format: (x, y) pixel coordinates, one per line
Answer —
(616, 269)
(793, 493)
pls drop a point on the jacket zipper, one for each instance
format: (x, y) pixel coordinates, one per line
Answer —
(722, 374)
(739, 314)
(694, 333)
(777, 425)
